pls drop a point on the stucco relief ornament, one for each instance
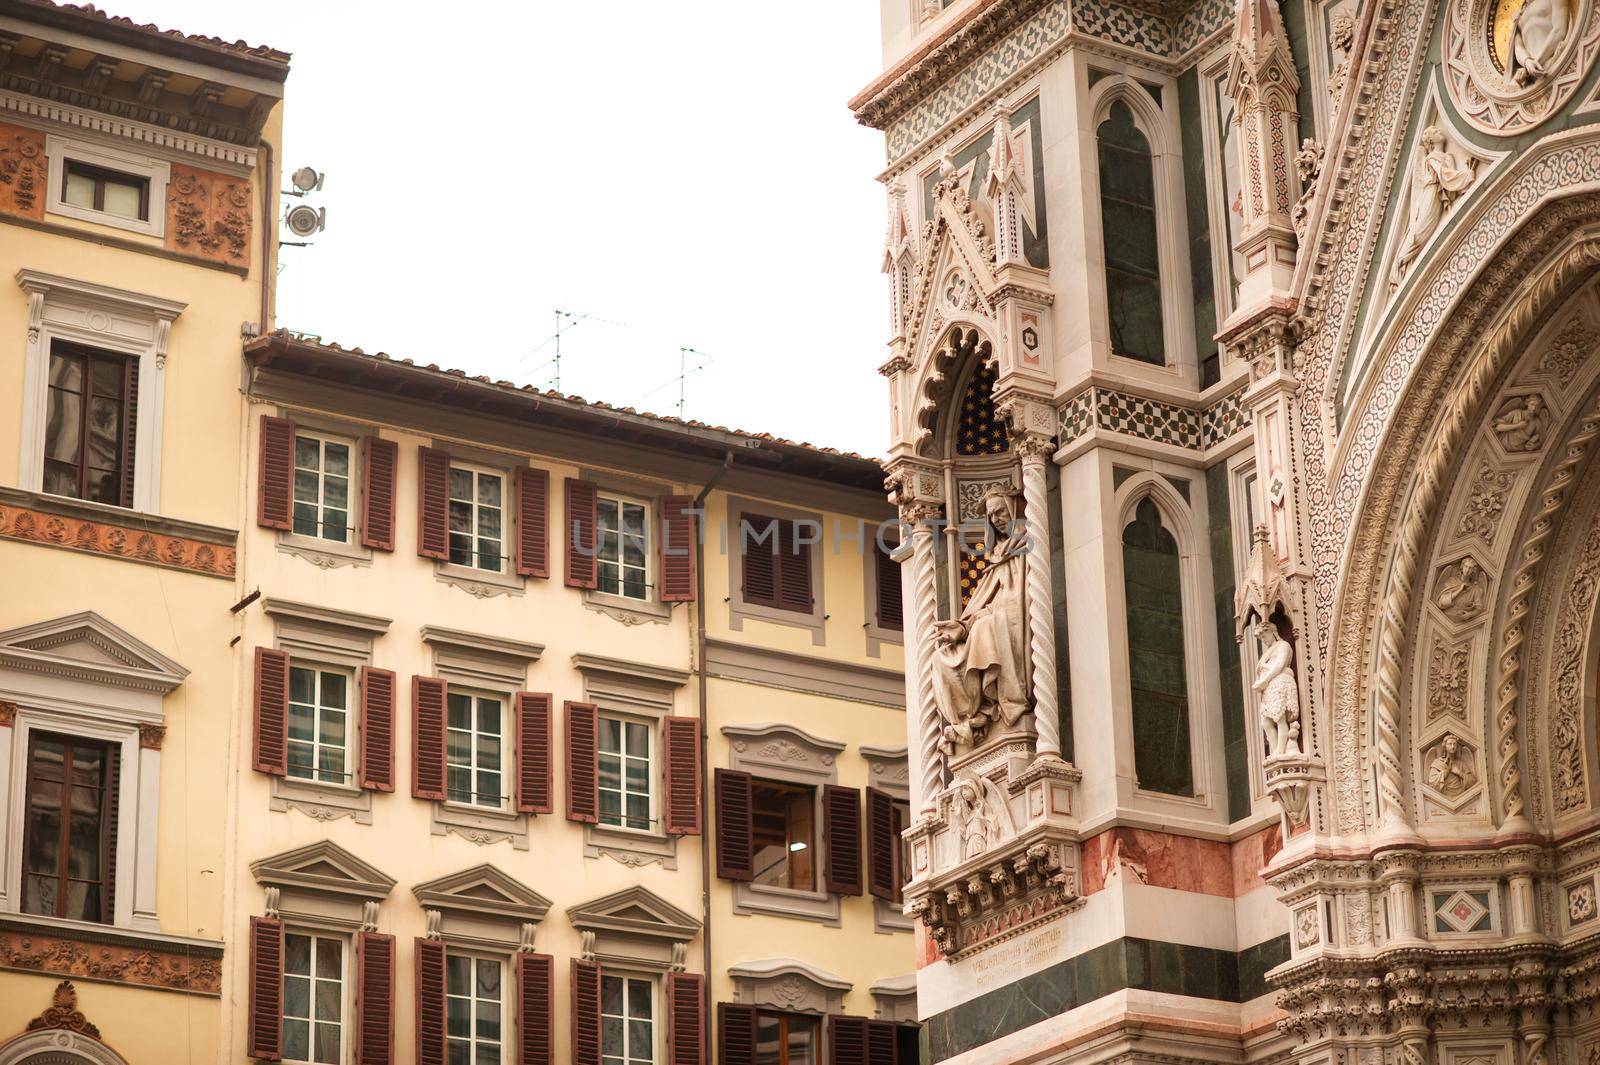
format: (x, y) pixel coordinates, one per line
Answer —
(1438, 177)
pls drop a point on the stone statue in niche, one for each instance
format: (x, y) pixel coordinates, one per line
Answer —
(981, 814)
(1463, 590)
(1537, 32)
(980, 659)
(1521, 423)
(1278, 695)
(1438, 177)
(1450, 769)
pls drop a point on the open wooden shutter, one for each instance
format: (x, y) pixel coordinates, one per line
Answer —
(130, 426)
(734, 828)
(428, 696)
(681, 740)
(378, 460)
(847, 1040)
(536, 1009)
(882, 1040)
(686, 1019)
(430, 1002)
(841, 826)
(272, 711)
(886, 578)
(677, 549)
(583, 763)
(759, 542)
(578, 534)
(113, 820)
(881, 845)
(275, 476)
(533, 521)
(736, 1033)
(264, 1033)
(377, 729)
(585, 1013)
(433, 503)
(794, 570)
(374, 999)
(533, 753)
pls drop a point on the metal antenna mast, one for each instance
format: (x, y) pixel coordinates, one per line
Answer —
(684, 370)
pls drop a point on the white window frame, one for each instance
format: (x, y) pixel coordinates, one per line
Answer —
(620, 500)
(319, 670)
(507, 1040)
(505, 772)
(323, 440)
(113, 319)
(656, 1027)
(652, 764)
(316, 935)
(156, 172)
(477, 472)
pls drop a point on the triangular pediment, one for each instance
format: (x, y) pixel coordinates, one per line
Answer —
(323, 866)
(483, 889)
(85, 646)
(636, 911)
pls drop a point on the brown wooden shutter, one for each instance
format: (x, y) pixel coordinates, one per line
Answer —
(433, 503)
(533, 521)
(677, 549)
(130, 426)
(759, 539)
(736, 1033)
(881, 845)
(841, 826)
(882, 1039)
(264, 1033)
(578, 534)
(886, 574)
(583, 762)
(374, 999)
(847, 1040)
(113, 819)
(533, 753)
(377, 729)
(428, 695)
(585, 1013)
(686, 1019)
(734, 828)
(680, 737)
(272, 711)
(275, 477)
(430, 1002)
(794, 571)
(378, 460)
(536, 1009)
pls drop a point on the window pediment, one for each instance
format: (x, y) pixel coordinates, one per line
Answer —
(483, 890)
(492, 661)
(635, 927)
(322, 868)
(87, 647)
(782, 747)
(788, 984)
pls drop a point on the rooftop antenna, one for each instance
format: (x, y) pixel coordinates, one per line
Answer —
(684, 370)
(566, 321)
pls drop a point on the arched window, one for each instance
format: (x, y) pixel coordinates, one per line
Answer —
(1153, 587)
(1128, 225)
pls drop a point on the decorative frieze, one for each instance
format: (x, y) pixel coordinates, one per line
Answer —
(142, 964)
(37, 525)
(209, 215)
(24, 171)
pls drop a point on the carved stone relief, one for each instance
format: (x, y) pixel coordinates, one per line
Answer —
(1521, 422)
(1510, 64)
(1450, 766)
(1486, 501)
(24, 171)
(1462, 590)
(1576, 611)
(1575, 343)
(1440, 173)
(1449, 666)
(209, 215)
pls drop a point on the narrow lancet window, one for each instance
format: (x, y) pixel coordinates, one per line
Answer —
(1153, 584)
(1128, 222)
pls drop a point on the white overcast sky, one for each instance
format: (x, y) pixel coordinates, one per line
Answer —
(689, 170)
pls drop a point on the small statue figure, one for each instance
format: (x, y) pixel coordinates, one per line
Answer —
(982, 816)
(1437, 177)
(1521, 422)
(1463, 590)
(1449, 770)
(979, 659)
(1537, 32)
(1275, 687)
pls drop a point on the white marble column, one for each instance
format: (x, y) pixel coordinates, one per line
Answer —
(925, 611)
(1035, 451)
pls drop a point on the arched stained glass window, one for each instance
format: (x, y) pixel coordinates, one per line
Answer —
(1132, 251)
(1153, 587)
(978, 430)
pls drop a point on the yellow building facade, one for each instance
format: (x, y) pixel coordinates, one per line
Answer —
(138, 188)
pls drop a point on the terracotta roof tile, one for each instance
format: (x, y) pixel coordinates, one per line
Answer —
(258, 51)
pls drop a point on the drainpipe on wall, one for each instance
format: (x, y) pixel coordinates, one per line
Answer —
(269, 230)
(705, 735)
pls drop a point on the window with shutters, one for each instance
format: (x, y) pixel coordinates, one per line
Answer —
(475, 1008)
(787, 1039)
(477, 518)
(627, 1020)
(475, 749)
(783, 837)
(319, 734)
(87, 448)
(626, 773)
(885, 623)
(314, 982)
(68, 835)
(775, 564)
(623, 546)
(323, 488)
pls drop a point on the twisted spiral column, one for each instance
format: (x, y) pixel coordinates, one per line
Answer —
(925, 611)
(1034, 452)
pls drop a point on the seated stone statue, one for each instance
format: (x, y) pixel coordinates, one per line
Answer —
(980, 658)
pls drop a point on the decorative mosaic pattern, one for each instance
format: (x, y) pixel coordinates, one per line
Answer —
(999, 64)
(1580, 902)
(1461, 912)
(1124, 25)
(1223, 418)
(1151, 419)
(980, 431)
(1198, 22)
(1077, 416)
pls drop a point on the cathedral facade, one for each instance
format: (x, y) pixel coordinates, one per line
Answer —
(1244, 390)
